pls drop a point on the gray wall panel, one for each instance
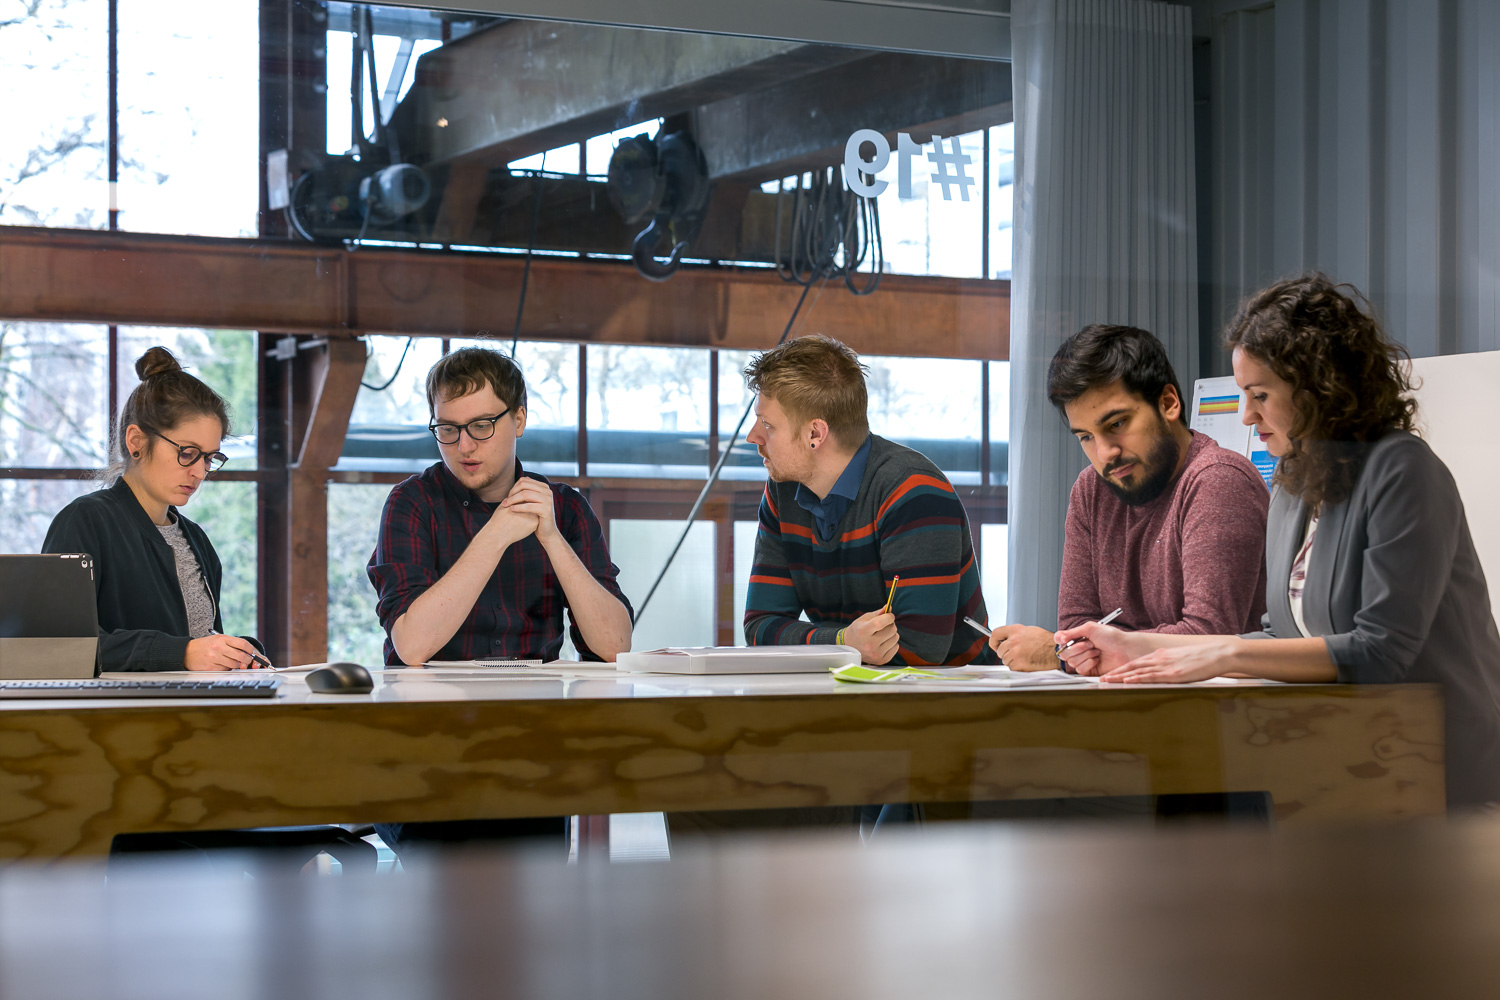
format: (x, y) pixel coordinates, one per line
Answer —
(1380, 127)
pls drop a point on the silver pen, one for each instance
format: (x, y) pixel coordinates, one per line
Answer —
(976, 626)
(1103, 621)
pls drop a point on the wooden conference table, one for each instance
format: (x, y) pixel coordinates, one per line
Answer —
(576, 739)
(962, 911)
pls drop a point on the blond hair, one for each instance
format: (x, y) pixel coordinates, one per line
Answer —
(815, 378)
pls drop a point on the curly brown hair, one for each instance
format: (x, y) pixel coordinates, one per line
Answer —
(1351, 383)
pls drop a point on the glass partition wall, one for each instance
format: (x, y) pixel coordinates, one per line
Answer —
(345, 192)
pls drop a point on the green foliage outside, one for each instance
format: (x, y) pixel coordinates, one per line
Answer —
(227, 512)
(225, 360)
(354, 633)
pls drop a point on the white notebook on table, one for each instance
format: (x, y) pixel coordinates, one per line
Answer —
(738, 659)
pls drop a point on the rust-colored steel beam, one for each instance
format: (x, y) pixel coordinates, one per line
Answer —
(98, 277)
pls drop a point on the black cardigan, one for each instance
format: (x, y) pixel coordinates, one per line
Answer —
(142, 620)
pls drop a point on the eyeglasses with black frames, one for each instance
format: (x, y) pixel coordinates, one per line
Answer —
(188, 455)
(480, 429)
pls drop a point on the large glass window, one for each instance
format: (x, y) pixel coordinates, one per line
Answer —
(54, 146)
(932, 405)
(648, 408)
(940, 229)
(993, 565)
(52, 414)
(550, 444)
(999, 421)
(223, 359)
(744, 558)
(354, 633)
(681, 612)
(27, 507)
(189, 114)
(1002, 193)
(734, 399)
(454, 195)
(226, 511)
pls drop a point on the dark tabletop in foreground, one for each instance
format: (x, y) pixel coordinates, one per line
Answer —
(961, 911)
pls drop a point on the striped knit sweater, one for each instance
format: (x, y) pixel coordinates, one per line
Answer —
(906, 521)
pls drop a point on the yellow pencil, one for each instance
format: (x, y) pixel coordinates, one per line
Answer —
(894, 580)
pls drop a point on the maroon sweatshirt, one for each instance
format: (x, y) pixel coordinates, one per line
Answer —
(1190, 561)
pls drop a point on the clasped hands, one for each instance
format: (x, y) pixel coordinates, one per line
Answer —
(527, 509)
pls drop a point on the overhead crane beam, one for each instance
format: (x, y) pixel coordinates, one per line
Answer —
(86, 276)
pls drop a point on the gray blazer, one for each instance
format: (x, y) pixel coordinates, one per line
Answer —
(1396, 591)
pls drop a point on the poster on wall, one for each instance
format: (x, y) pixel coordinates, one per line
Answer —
(1217, 403)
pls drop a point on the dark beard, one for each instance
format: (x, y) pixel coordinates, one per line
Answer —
(1161, 464)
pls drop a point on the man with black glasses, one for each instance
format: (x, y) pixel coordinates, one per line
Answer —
(478, 558)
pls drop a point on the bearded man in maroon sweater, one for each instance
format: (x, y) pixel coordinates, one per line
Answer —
(1165, 524)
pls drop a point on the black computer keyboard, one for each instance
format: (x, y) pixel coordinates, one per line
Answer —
(258, 687)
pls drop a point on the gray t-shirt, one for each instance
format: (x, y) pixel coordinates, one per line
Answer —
(195, 597)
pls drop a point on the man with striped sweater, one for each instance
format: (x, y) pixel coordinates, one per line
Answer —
(844, 514)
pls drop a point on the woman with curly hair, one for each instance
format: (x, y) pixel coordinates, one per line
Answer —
(1372, 575)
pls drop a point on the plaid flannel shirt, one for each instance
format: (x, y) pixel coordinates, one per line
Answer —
(428, 522)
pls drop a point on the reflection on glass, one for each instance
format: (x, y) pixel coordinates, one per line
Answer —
(189, 91)
(1002, 198)
(734, 397)
(421, 33)
(994, 563)
(226, 510)
(53, 148)
(562, 160)
(395, 382)
(648, 388)
(648, 411)
(744, 558)
(52, 409)
(27, 507)
(999, 422)
(388, 426)
(189, 112)
(932, 405)
(223, 359)
(681, 613)
(354, 633)
(929, 234)
(598, 150)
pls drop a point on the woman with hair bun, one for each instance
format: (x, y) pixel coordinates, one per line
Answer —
(156, 575)
(1372, 576)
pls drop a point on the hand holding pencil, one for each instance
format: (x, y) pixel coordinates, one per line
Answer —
(874, 633)
(1096, 648)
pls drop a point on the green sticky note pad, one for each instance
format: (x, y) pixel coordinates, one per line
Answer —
(894, 675)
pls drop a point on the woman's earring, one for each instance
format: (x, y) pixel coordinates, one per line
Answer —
(135, 454)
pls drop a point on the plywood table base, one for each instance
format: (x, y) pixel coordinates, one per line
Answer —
(70, 778)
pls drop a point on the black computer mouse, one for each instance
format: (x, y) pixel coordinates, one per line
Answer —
(341, 678)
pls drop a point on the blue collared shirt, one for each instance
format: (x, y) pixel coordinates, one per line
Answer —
(826, 512)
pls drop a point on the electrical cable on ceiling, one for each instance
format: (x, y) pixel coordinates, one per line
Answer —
(713, 477)
(833, 232)
(399, 363)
